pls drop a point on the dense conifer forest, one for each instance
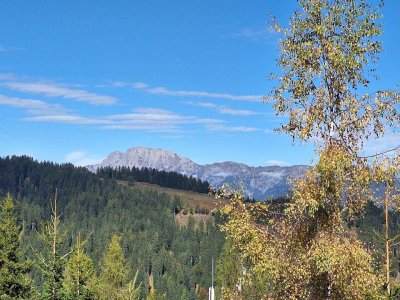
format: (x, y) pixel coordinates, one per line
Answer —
(162, 178)
(107, 224)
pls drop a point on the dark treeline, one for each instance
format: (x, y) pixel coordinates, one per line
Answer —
(35, 183)
(171, 261)
(162, 178)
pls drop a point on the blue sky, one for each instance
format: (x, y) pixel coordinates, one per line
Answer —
(81, 79)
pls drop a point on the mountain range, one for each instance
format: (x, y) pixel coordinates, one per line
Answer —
(258, 182)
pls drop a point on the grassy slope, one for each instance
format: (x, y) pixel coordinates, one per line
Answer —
(189, 198)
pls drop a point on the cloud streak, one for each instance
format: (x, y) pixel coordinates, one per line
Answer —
(163, 91)
(32, 106)
(141, 119)
(154, 119)
(389, 141)
(236, 112)
(164, 128)
(69, 119)
(45, 112)
(226, 110)
(146, 119)
(6, 49)
(219, 127)
(201, 94)
(259, 35)
(59, 91)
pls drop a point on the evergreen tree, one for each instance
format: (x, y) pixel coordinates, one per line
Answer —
(114, 271)
(132, 290)
(49, 260)
(228, 270)
(14, 282)
(79, 274)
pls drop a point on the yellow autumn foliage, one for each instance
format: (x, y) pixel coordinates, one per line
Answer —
(305, 252)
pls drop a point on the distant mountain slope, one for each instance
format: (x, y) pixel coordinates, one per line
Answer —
(151, 158)
(259, 182)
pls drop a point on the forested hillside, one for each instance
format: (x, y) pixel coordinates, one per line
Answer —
(172, 261)
(154, 176)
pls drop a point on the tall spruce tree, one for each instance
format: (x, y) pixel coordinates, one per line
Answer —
(79, 276)
(14, 282)
(114, 271)
(50, 261)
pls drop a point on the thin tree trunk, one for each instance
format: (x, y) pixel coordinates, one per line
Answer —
(78, 249)
(329, 294)
(54, 229)
(387, 201)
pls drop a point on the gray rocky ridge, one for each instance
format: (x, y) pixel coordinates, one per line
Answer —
(258, 182)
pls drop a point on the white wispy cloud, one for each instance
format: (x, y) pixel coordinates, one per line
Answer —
(223, 109)
(6, 49)
(146, 119)
(220, 127)
(185, 93)
(59, 91)
(389, 141)
(280, 163)
(201, 104)
(115, 84)
(82, 158)
(140, 85)
(45, 112)
(159, 116)
(165, 128)
(69, 119)
(252, 33)
(262, 34)
(201, 94)
(140, 119)
(155, 120)
(153, 111)
(7, 76)
(269, 131)
(236, 112)
(32, 106)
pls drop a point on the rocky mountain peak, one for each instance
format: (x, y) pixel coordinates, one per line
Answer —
(155, 158)
(259, 182)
